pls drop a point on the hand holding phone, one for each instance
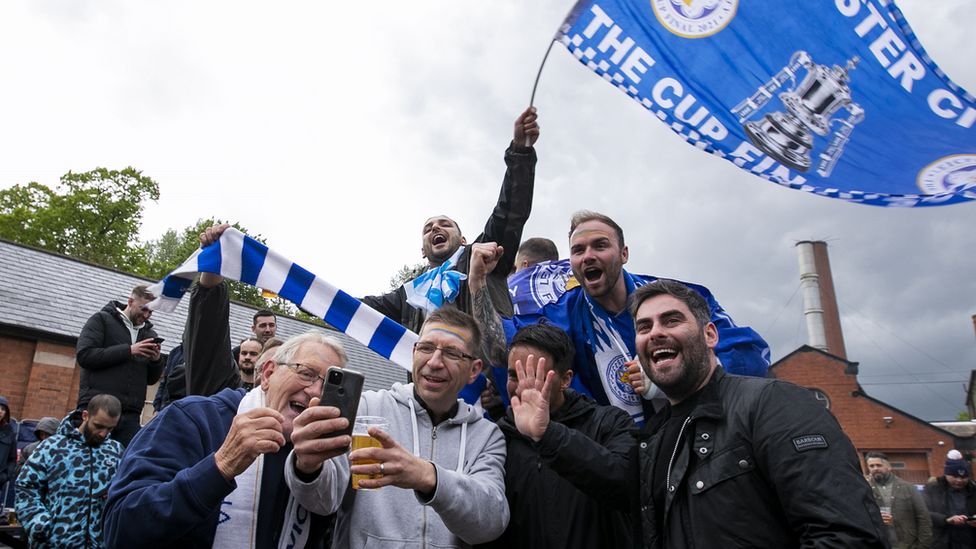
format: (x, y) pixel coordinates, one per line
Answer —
(342, 389)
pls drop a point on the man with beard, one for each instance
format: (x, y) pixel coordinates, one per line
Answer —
(733, 458)
(902, 509)
(594, 314)
(62, 486)
(264, 326)
(249, 352)
(119, 356)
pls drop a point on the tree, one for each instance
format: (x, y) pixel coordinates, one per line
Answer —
(94, 216)
(407, 272)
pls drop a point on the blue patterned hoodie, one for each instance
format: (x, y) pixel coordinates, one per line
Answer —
(61, 490)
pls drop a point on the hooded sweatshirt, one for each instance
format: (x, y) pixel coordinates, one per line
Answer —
(62, 488)
(468, 505)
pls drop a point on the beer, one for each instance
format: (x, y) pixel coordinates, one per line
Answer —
(360, 441)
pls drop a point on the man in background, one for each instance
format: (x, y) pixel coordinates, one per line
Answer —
(951, 501)
(119, 357)
(62, 487)
(902, 509)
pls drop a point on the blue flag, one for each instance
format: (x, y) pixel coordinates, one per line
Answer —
(835, 97)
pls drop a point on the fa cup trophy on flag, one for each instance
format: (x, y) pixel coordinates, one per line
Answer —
(786, 136)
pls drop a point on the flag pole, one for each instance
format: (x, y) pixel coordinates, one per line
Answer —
(539, 74)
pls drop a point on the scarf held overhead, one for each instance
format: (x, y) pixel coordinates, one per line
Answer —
(237, 256)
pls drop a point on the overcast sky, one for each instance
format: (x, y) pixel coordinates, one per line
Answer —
(334, 130)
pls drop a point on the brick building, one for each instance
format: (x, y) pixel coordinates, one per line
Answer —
(916, 448)
(46, 298)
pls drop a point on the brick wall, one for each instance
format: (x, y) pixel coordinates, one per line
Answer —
(53, 381)
(41, 378)
(921, 446)
(16, 356)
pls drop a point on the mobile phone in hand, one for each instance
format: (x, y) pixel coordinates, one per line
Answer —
(158, 340)
(342, 389)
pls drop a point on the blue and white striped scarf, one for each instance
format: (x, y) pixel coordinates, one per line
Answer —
(436, 286)
(237, 256)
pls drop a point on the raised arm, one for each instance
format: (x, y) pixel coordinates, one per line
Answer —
(209, 362)
(484, 259)
(514, 205)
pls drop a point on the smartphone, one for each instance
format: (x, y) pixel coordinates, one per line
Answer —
(342, 389)
(158, 340)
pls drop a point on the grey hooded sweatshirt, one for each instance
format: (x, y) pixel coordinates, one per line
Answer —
(468, 506)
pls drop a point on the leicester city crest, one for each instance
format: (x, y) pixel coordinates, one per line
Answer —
(616, 374)
(954, 174)
(694, 18)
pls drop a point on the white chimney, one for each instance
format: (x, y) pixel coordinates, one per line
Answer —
(812, 308)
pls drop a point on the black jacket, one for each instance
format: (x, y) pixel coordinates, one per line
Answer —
(503, 227)
(107, 364)
(937, 501)
(767, 466)
(571, 488)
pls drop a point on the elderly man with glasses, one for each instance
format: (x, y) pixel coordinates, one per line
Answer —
(438, 478)
(209, 471)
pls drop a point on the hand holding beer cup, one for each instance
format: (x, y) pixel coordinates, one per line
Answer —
(377, 461)
(362, 439)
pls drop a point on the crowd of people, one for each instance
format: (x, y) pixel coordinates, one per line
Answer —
(612, 410)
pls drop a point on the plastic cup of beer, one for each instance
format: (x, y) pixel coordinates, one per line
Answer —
(361, 439)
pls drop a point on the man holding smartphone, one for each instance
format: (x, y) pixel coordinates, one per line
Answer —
(437, 480)
(118, 352)
(209, 469)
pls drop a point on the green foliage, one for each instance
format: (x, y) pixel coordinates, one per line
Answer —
(964, 416)
(407, 272)
(94, 216)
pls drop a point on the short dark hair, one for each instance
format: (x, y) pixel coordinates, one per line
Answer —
(142, 292)
(453, 316)
(109, 403)
(583, 216)
(662, 286)
(262, 312)
(538, 249)
(549, 339)
(876, 455)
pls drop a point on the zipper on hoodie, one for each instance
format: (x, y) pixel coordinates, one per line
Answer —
(433, 441)
(91, 495)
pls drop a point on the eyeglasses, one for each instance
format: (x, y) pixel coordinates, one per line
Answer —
(450, 353)
(307, 375)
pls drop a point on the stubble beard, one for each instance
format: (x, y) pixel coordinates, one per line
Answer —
(693, 368)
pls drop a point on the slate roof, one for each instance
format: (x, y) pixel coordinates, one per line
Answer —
(48, 295)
